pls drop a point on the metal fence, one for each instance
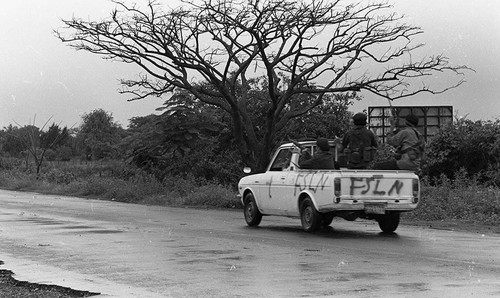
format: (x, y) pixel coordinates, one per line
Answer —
(431, 118)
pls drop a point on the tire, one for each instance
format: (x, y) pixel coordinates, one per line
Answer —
(326, 219)
(389, 222)
(251, 212)
(309, 216)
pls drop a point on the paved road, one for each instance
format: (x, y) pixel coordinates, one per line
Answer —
(125, 250)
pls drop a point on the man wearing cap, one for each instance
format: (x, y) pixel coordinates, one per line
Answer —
(322, 159)
(409, 144)
(359, 144)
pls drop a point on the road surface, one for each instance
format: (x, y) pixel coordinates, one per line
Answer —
(127, 250)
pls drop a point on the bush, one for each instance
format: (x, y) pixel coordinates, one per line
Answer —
(461, 198)
(472, 145)
(17, 180)
(58, 176)
(64, 153)
(384, 152)
(10, 163)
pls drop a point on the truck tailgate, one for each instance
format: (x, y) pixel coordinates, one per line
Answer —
(378, 185)
(375, 191)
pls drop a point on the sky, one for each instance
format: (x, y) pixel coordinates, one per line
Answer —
(43, 79)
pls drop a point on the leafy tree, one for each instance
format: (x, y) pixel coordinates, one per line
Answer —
(196, 139)
(99, 135)
(33, 141)
(53, 141)
(305, 49)
(11, 138)
(64, 153)
(142, 145)
(54, 136)
(184, 139)
(473, 146)
(177, 131)
(330, 119)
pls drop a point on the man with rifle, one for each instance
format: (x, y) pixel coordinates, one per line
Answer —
(409, 144)
(359, 144)
(322, 159)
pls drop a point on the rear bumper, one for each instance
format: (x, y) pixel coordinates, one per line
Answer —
(352, 205)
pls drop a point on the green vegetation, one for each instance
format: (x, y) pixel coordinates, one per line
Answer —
(466, 147)
(459, 199)
(116, 181)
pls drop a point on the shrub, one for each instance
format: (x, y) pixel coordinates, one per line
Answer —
(10, 163)
(472, 145)
(384, 152)
(17, 180)
(58, 176)
(461, 198)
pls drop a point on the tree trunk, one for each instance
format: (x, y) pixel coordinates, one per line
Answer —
(244, 147)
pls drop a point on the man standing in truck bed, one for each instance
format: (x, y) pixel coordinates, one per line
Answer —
(409, 144)
(359, 144)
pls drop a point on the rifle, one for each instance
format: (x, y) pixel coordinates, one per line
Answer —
(393, 112)
(297, 144)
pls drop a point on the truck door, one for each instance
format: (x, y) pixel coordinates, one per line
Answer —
(275, 190)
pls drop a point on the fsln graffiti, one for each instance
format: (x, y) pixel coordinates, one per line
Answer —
(270, 183)
(396, 187)
(310, 181)
(371, 185)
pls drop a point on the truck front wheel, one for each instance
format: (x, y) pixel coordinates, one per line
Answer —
(309, 216)
(389, 222)
(251, 211)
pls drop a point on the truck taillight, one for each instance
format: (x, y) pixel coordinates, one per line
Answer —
(336, 186)
(416, 190)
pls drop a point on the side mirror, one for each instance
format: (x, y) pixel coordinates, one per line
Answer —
(247, 170)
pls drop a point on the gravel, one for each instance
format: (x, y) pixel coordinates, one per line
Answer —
(12, 288)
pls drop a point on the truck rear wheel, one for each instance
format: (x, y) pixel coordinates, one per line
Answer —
(389, 222)
(309, 216)
(251, 211)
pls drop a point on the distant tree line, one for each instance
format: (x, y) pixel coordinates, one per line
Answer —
(189, 138)
(186, 138)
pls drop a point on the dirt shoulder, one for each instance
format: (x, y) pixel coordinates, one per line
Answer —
(11, 287)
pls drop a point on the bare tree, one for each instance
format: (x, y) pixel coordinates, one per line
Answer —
(37, 141)
(305, 49)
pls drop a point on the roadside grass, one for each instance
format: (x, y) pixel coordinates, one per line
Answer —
(117, 181)
(461, 199)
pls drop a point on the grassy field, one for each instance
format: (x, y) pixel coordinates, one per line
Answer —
(118, 182)
(458, 200)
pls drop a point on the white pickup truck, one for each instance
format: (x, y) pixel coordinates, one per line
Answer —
(317, 196)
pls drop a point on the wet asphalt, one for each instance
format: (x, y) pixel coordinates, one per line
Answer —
(127, 250)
